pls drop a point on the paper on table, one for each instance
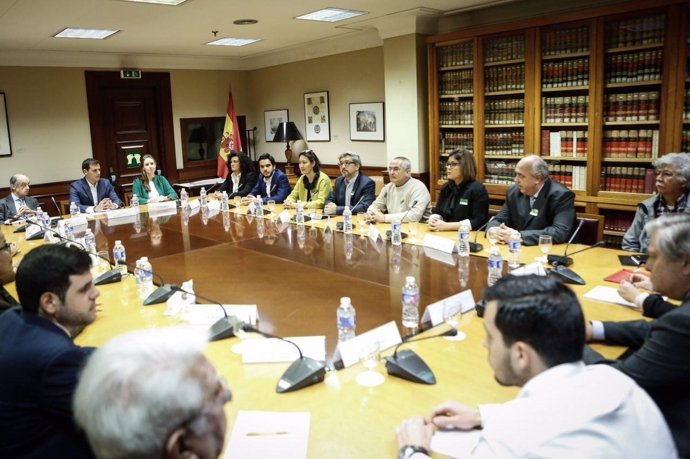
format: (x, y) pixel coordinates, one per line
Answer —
(276, 350)
(531, 268)
(266, 434)
(455, 443)
(607, 295)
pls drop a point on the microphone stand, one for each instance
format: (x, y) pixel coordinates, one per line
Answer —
(555, 260)
(408, 365)
(341, 225)
(568, 275)
(475, 246)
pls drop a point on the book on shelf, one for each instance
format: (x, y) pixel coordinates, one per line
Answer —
(630, 143)
(565, 41)
(632, 106)
(625, 179)
(639, 31)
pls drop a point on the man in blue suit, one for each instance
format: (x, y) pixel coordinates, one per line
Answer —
(273, 184)
(92, 193)
(352, 188)
(40, 363)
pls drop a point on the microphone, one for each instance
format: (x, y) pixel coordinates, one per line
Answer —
(408, 365)
(475, 246)
(302, 373)
(568, 275)
(59, 212)
(225, 327)
(563, 260)
(389, 234)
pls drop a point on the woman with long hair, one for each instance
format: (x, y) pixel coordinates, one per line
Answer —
(242, 176)
(150, 187)
(313, 187)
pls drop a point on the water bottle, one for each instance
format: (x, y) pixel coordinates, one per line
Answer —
(396, 235)
(134, 202)
(514, 246)
(90, 241)
(410, 303)
(464, 239)
(137, 276)
(120, 257)
(146, 278)
(346, 318)
(69, 231)
(224, 206)
(39, 216)
(202, 197)
(495, 265)
(347, 220)
(299, 214)
(259, 207)
(184, 198)
(73, 209)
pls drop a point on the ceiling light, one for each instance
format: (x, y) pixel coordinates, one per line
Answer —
(245, 21)
(331, 15)
(92, 34)
(233, 41)
(159, 2)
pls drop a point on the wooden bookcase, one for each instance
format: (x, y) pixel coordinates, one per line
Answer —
(598, 93)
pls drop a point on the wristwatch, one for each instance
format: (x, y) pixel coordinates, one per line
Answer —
(407, 451)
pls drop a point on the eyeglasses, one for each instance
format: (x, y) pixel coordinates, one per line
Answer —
(452, 164)
(345, 163)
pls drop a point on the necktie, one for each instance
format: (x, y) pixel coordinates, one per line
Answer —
(532, 199)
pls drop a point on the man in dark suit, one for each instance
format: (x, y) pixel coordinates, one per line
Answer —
(536, 205)
(273, 185)
(92, 193)
(352, 188)
(40, 363)
(658, 358)
(18, 203)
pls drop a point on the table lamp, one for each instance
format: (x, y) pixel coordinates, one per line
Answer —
(287, 132)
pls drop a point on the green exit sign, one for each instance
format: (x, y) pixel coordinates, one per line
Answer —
(130, 74)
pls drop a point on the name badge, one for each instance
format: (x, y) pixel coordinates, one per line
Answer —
(534, 212)
(463, 202)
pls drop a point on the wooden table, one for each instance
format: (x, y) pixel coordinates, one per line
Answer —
(296, 285)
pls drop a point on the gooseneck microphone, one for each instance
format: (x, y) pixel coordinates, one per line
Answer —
(303, 372)
(406, 364)
(568, 275)
(475, 246)
(563, 260)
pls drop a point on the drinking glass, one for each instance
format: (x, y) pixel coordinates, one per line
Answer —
(102, 262)
(237, 201)
(492, 236)
(451, 309)
(271, 205)
(412, 228)
(369, 355)
(545, 243)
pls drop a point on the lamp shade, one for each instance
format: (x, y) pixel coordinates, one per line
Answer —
(286, 132)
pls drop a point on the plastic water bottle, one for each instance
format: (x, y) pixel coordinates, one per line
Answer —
(410, 303)
(137, 276)
(120, 257)
(224, 206)
(346, 319)
(90, 241)
(184, 198)
(146, 278)
(259, 207)
(347, 220)
(464, 239)
(396, 235)
(134, 202)
(202, 197)
(73, 209)
(495, 265)
(68, 230)
(39, 216)
(299, 213)
(514, 246)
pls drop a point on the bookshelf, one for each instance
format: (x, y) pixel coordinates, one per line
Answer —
(598, 93)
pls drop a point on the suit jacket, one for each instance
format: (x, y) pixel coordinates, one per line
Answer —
(363, 194)
(9, 210)
(40, 366)
(162, 186)
(553, 213)
(467, 201)
(659, 361)
(280, 187)
(80, 192)
(247, 182)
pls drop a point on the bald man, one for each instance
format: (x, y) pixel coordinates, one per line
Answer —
(18, 203)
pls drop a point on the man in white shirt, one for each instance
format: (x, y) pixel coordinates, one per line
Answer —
(535, 335)
(92, 193)
(18, 203)
(404, 199)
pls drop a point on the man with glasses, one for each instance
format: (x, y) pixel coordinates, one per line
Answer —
(153, 394)
(352, 188)
(18, 204)
(404, 199)
(273, 184)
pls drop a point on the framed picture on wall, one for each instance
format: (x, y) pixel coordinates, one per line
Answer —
(272, 118)
(367, 122)
(5, 144)
(317, 117)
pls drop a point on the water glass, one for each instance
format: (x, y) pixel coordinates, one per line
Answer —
(412, 227)
(237, 201)
(492, 235)
(545, 243)
(451, 309)
(271, 205)
(362, 219)
(369, 356)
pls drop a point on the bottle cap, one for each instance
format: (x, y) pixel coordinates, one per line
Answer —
(345, 300)
(118, 242)
(144, 258)
(409, 279)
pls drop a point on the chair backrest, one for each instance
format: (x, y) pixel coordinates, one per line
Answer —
(592, 230)
(64, 206)
(378, 182)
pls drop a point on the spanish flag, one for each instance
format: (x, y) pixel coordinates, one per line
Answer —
(230, 139)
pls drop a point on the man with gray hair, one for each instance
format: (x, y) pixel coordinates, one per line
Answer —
(658, 358)
(536, 205)
(352, 189)
(152, 394)
(18, 203)
(405, 198)
(672, 177)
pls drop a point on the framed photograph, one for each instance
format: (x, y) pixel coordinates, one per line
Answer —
(5, 144)
(367, 122)
(317, 117)
(272, 118)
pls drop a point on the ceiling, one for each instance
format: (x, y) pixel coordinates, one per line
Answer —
(167, 36)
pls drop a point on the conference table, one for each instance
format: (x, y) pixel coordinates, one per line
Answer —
(295, 275)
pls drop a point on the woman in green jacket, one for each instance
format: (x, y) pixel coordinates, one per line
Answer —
(313, 187)
(151, 187)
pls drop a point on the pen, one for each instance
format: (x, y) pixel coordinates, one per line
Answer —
(260, 434)
(635, 260)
